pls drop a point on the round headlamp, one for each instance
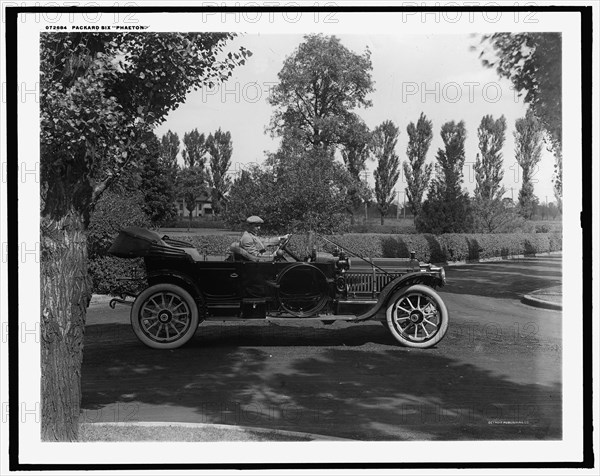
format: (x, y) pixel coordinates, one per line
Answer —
(340, 284)
(343, 264)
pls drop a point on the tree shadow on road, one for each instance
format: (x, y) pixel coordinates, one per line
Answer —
(361, 391)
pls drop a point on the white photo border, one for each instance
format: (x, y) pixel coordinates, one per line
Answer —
(33, 451)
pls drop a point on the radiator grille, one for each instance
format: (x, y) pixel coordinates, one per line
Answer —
(362, 282)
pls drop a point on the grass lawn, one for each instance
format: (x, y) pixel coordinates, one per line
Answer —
(553, 294)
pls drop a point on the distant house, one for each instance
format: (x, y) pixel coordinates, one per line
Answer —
(508, 203)
(203, 206)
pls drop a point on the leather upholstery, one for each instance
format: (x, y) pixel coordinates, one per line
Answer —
(240, 254)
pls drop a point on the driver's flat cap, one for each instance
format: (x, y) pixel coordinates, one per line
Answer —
(254, 220)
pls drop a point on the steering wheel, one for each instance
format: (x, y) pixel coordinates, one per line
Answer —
(281, 248)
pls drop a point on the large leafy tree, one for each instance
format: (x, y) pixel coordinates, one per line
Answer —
(100, 94)
(528, 149)
(319, 85)
(417, 173)
(385, 138)
(248, 196)
(219, 148)
(294, 193)
(533, 62)
(310, 193)
(447, 207)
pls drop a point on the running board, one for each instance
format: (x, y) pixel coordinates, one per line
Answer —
(327, 317)
(348, 317)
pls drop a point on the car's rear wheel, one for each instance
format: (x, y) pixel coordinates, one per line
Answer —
(164, 316)
(417, 316)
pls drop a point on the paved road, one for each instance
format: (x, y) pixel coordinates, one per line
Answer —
(496, 374)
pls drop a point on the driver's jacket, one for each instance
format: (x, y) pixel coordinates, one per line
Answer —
(253, 245)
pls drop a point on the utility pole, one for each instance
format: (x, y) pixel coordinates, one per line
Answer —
(366, 206)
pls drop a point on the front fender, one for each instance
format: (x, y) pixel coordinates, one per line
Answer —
(419, 277)
(431, 279)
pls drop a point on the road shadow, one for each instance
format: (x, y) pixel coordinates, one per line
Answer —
(353, 389)
(504, 279)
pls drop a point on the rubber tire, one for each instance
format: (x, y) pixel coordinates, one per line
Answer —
(141, 298)
(441, 307)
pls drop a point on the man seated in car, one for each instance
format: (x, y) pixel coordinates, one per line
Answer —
(252, 244)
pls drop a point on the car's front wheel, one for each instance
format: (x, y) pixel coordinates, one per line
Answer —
(417, 316)
(164, 316)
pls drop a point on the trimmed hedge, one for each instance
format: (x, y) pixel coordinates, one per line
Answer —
(451, 247)
(388, 229)
(428, 248)
(184, 222)
(212, 244)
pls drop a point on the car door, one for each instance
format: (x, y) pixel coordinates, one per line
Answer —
(220, 283)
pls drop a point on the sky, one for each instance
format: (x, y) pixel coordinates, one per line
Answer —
(435, 74)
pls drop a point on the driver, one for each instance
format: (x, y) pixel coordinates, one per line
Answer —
(252, 243)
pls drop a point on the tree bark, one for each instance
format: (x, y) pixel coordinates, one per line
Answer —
(382, 219)
(65, 295)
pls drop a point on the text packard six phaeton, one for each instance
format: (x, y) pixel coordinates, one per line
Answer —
(186, 288)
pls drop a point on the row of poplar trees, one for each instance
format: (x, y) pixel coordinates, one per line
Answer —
(448, 207)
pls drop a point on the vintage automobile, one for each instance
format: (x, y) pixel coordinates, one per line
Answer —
(185, 287)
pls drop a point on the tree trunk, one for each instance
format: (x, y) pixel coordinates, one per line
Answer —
(65, 295)
(382, 219)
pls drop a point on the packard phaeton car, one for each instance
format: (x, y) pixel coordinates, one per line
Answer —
(185, 288)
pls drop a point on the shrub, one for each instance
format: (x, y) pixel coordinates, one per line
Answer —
(542, 229)
(494, 217)
(113, 212)
(555, 241)
(105, 272)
